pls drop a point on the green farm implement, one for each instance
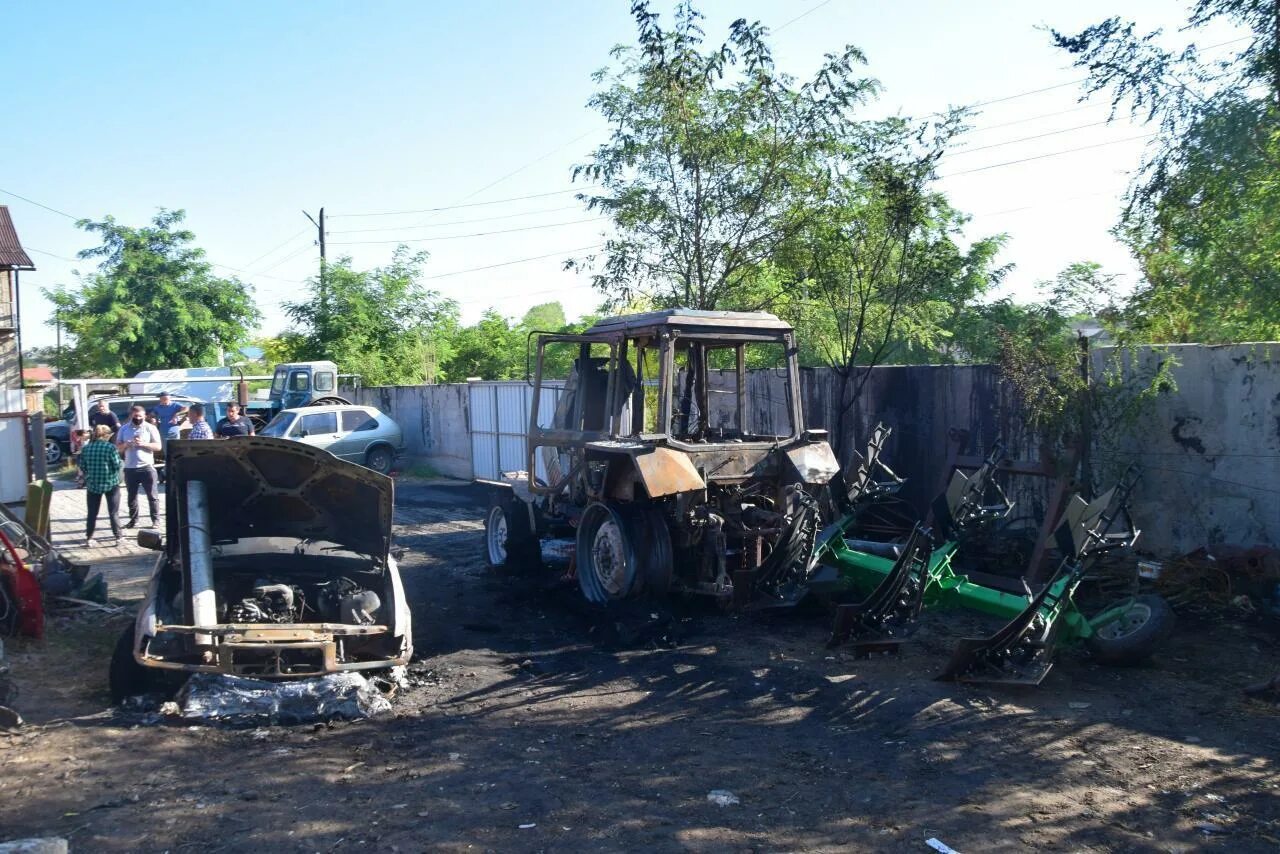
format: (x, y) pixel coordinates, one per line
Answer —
(895, 581)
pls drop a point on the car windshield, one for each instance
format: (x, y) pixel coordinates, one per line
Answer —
(279, 425)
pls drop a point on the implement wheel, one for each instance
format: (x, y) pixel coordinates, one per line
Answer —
(1133, 632)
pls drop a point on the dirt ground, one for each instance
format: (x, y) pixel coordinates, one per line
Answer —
(530, 728)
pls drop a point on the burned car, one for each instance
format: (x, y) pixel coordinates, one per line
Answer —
(666, 451)
(276, 564)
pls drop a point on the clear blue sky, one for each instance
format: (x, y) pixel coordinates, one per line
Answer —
(244, 113)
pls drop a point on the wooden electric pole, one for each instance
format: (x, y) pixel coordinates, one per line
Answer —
(324, 301)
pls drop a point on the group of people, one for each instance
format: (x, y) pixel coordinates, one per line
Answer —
(127, 452)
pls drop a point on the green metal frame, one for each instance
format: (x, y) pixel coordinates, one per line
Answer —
(861, 573)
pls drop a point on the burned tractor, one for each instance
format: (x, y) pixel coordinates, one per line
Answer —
(671, 457)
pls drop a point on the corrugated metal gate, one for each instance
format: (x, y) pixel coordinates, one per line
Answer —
(499, 413)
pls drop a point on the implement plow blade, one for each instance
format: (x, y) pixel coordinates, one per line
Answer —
(1021, 653)
(881, 622)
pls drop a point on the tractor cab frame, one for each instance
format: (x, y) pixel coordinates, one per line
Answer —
(675, 458)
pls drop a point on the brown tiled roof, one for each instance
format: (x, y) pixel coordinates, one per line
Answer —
(39, 375)
(12, 256)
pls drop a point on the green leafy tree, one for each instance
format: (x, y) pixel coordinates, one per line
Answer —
(710, 166)
(382, 324)
(153, 302)
(545, 317)
(1203, 215)
(876, 274)
(492, 349)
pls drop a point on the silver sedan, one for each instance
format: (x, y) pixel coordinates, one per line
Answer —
(358, 434)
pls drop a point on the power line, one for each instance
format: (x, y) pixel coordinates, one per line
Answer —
(1076, 109)
(473, 234)
(38, 204)
(1025, 139)
(1044, 156)
(456, 221)
(520, 169)
(50, 254)
(288, 257)
(456, 207)
(782, 27)
(1050, 203)
(516, 261)
(286, 242)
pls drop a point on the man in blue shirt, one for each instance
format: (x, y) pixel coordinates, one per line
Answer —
(168, 417)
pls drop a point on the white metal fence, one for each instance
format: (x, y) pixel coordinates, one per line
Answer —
(499, 413)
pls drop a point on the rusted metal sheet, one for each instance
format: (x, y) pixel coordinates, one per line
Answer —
(667, 472)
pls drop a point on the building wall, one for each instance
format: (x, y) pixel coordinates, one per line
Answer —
(10, 374)
(434, 420)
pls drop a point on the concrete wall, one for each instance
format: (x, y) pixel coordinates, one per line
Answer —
(1210, 454)
(434, 419)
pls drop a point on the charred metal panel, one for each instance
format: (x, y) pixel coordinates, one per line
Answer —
(667, 472)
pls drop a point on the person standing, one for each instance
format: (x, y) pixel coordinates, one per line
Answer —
(168, 417)
(234, 424)
(199, 427)
(139, 441)
(100, 464)
(102, 415)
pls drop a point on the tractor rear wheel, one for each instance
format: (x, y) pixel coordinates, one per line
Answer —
(608, 568)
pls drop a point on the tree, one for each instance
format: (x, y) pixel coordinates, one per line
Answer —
(494, 348)
(1202, 215)
(491, 349)
(153, 302)
(877, 270)
(544, 317)
(710, 166)
(382, 324)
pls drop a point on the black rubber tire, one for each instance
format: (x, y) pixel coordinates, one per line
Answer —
(627, 581)
(1139, 638)
(380, 459)
(330, 400)
(128, 678)
(521, 545)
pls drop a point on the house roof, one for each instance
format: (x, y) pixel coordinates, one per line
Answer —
(38, 375)
(12, 255)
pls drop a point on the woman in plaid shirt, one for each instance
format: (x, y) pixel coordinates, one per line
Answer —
(101, 465)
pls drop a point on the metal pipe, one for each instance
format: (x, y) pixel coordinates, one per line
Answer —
(204, 605)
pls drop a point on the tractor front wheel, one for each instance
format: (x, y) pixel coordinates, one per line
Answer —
(509, 539)
(1128, 633)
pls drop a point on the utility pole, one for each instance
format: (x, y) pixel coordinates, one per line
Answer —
(324, 296)
(57, 353)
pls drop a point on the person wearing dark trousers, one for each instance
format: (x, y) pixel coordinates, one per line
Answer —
(100, 463)
(139, 441)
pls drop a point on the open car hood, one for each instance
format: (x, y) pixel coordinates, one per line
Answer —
(264, 487)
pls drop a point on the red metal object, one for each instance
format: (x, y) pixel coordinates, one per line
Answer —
(25, 590)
